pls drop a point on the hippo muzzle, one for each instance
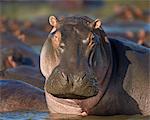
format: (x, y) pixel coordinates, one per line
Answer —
(73, 86)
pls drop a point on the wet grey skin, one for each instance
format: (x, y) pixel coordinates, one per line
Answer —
(20, 96)
(88, 73)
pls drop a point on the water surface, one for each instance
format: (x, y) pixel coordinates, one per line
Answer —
(46, 116)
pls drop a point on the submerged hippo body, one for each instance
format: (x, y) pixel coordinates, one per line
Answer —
(17, 95)
(88, 73)
(28, 74)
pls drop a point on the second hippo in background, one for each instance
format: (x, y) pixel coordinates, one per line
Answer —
(14, 52)
(28, 74)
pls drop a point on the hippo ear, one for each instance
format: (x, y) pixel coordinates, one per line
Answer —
(53, 21)
(96, 24)
(11, 62)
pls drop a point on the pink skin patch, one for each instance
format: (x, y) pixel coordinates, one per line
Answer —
(71, 106)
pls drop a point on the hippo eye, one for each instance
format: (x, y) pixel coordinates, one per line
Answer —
(62, 44)
(61, 47)
(85, 41)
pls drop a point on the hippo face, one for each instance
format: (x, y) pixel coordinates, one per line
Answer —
(69, 58)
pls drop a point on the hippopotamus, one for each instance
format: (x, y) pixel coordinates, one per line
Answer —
(34, 36)
(136, 31)
(88, 73)
(16, 51)
(18, 95)
(28, 74)
(128, 13)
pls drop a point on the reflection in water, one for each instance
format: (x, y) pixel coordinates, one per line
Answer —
(46, 116)
(24, 116)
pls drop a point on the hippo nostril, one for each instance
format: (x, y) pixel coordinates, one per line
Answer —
(83, 76)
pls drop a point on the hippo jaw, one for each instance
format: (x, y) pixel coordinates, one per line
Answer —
(81, 107)
(76, 98)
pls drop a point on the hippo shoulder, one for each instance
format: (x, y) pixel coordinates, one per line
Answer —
(136, 80)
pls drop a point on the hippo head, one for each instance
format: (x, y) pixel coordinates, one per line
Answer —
(72, 59)
(11, 58)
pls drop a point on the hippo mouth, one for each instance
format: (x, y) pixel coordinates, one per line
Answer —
(79, 86)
